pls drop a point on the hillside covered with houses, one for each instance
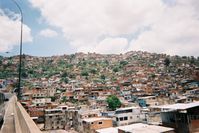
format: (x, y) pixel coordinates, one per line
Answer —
(71, 91)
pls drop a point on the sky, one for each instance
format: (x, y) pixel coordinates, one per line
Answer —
(57, 27)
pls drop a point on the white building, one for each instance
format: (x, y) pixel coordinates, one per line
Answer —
(41, 101)
(129, 115)
(65, 107)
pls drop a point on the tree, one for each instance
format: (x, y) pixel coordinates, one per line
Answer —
(93, 71)
(113, 102)
(72, 56)
(153, 75)
(123, 63)
(192, 60)
(84, 73)
(118, 88)
(167, 62)
(24, 74)
(64, 99)
(115, 69)
(1, 59)
(65, 80)
(65, 74)
(106, 61)
(103, 77)
(53, 98)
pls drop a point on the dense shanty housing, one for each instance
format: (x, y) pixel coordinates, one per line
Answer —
(184, 117)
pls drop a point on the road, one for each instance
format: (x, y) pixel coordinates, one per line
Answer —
(8, 125)
(4, 105)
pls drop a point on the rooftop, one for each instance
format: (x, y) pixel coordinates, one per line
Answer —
(96, 119)
(108, 130)
(127, 108)
(180, 106)
(136, 128)
(143, 128)
(146, 97)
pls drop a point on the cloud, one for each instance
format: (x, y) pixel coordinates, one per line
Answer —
(176, 32)
(112, 46)
(48, 33)
(107, 46)
(89, 24)
(10, 31)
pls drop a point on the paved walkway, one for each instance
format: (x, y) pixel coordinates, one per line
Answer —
(9, 124)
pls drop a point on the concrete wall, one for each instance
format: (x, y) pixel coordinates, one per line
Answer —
(90, 128)
(23, 122)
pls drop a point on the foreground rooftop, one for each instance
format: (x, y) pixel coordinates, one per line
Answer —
(137, 128)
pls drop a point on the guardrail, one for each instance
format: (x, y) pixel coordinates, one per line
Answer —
(17, 120)
(24, 121)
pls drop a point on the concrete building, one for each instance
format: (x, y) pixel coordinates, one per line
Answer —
(129, 115)
(54, 119)
(51, 92)
(74, 118)
(41, 101)
(148, 101)
(184, 117)
(92, 124)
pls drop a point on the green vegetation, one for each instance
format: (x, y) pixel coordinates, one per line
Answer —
(84, 73)
(113, 102)
(69, 67)
(93, 71)
(123, 63)
(65, 80)
(167, 62)
(64, 99)
(115, 69)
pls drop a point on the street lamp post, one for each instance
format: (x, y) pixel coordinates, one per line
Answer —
(20, 54)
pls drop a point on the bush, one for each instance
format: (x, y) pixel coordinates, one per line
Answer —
(113, 102)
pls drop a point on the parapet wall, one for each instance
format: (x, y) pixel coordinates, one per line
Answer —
(23, 122)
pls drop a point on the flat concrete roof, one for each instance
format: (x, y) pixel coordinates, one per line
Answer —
(108, 130)
(96, 119)
(146, 97)
(136, 128)
(55, 109)
(180, 106)
(126, 108)
(144, 128)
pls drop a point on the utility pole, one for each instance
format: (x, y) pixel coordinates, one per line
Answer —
(20, 53)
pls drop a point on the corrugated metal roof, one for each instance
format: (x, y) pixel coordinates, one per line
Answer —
(180, 106)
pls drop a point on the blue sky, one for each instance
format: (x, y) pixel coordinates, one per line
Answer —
(39, 46)
(59, 27)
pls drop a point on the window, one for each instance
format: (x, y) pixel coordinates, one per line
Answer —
(125, 118)
(92, 123)
(117, 119)
(100, 122)
(131, 117)
(121, 119)
(124, 111)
